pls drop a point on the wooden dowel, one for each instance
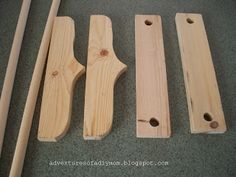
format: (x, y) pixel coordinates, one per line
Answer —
(22, 141)
(11, 68)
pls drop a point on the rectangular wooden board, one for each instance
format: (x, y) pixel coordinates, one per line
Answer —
(153, 119)
(204, 103)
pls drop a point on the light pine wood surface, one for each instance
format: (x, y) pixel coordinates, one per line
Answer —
(103, 69)
(204, 103)
(23, 136)
(11, 68)
(61, 74)
(152, 108)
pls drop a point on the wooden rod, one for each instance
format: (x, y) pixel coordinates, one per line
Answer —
(22, 141)
(11, 68)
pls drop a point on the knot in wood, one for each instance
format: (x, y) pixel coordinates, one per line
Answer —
(104, 52)
(54, 73)
(214, 124)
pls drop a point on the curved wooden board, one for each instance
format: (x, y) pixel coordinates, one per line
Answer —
(61, 74)
(103, 69)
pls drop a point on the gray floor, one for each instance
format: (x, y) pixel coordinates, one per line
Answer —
(188, 155)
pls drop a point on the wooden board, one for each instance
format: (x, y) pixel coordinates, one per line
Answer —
(204, 103)
(61, 73)
(103, 69)
(153, 119)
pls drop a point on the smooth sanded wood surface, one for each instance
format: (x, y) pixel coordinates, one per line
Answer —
(11, 68)
(152, 108)
(103, 69)
(25, 127)
(204, 103)
(190, 156)
(61, 73)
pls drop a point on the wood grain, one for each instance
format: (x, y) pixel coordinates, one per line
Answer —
(23, 137)
(61, 75)
(204, 103)
(153, 119)
(11, 68)
(103, 69)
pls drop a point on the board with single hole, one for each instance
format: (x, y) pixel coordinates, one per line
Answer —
(204, 103)
(61, 74)
(103, 69)
(153, 119)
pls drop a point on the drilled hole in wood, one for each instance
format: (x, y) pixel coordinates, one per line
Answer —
(154, 122)
(207, 117)
(190, 21)
(148, 22)
(214, 124)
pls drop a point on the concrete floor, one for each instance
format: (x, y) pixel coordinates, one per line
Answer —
(188, 155)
